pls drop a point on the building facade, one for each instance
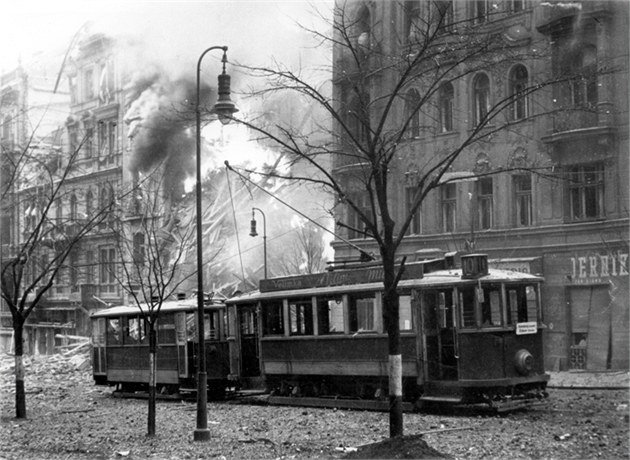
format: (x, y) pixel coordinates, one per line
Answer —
(91, 125)
(549, 193)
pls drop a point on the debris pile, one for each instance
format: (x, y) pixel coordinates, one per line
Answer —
(72, 359)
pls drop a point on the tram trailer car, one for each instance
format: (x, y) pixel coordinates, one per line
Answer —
(468, 335)
(120, 346)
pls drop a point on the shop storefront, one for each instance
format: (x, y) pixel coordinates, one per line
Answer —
(587, 306)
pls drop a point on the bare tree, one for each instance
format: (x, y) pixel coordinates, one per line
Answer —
(384, 86)
(152, 243)
(39, 180)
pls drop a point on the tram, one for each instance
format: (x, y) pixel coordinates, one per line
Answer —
(120, 346)
(469, 335)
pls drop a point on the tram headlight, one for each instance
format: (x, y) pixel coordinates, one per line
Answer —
(523, 361)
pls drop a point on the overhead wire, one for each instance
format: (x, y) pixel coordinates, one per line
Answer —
(361, 251)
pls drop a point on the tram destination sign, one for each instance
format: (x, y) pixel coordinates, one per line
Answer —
(337, 278)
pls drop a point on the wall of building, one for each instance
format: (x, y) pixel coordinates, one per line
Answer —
(583, 259)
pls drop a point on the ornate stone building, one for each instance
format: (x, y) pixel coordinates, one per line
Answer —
(548, 194)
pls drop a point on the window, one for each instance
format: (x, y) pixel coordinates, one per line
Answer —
(485, 203)
(404, 309)
(58, 211)
(88, 143)
(357, 119)
(211, 326)
(481, 10)
(449, 207)
(361, 313)
(107, 139)
(523, 199)
(522, 304)
(516, 5)
(73, 139)
(134, 330)
(586, 191)
(73, 208)
(584, 83)
(415, 226)
(138, 249)
(88, 84)
(444, 15)
(89, 266)
(490, 304)
(357, 226)
(89, 203)
(113, 331)
(467, 305)
(273, 321)
(412, 113)
(330, 315)
(518, 81)
(107, 275)
(166, 329)
(411, 11)
(481, 98)
(73, 262)
(301, 317)
(445, 107)
(363, 27)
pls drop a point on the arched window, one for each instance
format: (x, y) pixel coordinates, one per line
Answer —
(412, 114)
(481, 97)
(518, 82)
(446, 95)
(363, 25)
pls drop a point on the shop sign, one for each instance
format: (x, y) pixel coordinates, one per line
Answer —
(530, 327)
(598, 268)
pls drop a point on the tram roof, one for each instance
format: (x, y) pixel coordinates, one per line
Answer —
(438, 278)
(167, 306)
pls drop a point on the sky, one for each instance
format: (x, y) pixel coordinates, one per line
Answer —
(174, 32)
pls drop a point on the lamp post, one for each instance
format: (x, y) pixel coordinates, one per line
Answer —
(223, 108)
(253, 232)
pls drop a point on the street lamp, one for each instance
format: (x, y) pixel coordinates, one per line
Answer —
(224, 108)
(254, 233)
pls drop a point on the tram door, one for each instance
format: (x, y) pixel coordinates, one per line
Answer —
(440, 339)
(248, 324)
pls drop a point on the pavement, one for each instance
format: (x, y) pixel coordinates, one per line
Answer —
(617, 380)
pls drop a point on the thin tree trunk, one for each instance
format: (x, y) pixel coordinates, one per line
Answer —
(20, 393)
(390, 301)
(152, 379)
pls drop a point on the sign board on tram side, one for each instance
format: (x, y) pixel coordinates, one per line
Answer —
(530, 327)
(337, 278)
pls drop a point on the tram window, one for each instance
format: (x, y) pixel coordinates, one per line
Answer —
(211, 324)
(301, 317)
(134, 331)
(273, 323)
(248, 326)
(191, 326)
(330, 316)
(404, 319)
(361, 312)
(113, 331)
(166, 329)
(467, 303)
(491, 306)
(523, 304)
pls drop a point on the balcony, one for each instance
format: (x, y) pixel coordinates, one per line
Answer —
(583, 122)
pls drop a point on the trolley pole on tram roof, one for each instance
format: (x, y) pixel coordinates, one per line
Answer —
(224, 108)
